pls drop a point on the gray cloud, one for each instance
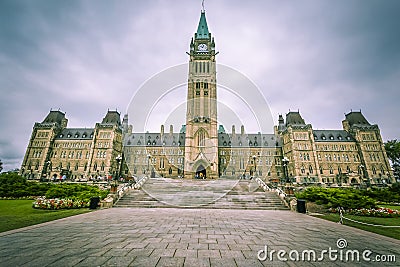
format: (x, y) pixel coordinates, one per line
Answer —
(322, 57)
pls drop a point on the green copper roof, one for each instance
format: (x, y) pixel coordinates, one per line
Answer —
(202, 29)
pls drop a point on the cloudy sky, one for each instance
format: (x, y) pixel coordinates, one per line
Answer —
(84, 57)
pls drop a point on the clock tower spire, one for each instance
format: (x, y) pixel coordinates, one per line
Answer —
(201, 144)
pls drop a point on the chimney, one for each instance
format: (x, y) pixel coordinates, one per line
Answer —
(242, 130)
(171, 129)
(162, 129)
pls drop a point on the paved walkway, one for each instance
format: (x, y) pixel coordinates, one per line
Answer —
(185, 237)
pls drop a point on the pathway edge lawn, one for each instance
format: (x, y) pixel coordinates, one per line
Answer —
(15, 214)
(389, 232)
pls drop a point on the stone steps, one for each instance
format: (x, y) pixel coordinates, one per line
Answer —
(210, 194)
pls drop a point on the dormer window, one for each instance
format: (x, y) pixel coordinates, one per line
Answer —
(340, 137)
(68, 135)
(61, 135)
(331, 137)
(315, 137)
(323, 137)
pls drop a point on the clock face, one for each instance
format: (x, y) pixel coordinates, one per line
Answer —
(202, 47)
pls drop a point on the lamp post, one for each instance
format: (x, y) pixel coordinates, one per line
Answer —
(255, 165)
(285, 162)
(362, 168)
(148, 163)
(118, 159)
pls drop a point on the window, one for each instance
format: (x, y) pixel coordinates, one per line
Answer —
(321, 171)
(348, 169)
(197, 92)
(303, 170)
(205, 85)
(197, 85)
(205, 93)
(310, 169)
(201, 138)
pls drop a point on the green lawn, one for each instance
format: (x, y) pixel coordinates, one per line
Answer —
(19, 213)
(390, 232)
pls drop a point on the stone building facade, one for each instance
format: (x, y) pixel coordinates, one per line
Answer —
(55, 150)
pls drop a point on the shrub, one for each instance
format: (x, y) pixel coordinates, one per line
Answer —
(337, 197)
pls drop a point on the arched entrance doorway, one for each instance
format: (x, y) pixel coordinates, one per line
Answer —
(200, 172)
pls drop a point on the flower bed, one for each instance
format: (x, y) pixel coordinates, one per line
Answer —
(56, 204)
(379, 212)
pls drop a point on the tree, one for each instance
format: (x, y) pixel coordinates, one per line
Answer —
(392, 148)
(1, 165)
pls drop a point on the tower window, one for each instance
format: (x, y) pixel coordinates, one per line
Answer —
(197, 85)
(205, 85)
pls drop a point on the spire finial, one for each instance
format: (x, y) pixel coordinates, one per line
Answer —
(202, 4)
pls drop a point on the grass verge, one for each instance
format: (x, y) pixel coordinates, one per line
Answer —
(15, 214)
(386, 231)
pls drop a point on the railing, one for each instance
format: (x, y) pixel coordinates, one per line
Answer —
(262, 184)
(140, 182)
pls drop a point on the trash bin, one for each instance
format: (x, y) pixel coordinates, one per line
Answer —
(94, 203)
(301, 206)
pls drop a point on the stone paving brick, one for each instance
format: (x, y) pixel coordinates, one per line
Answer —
(136, 245)
(170, 262)
(223, 262)
(186, 253)
(119, 261)
(248, 262)
(218, 246)
(93, 261)
(198, 246)
(197, 262)
(157, 245)
(237, 254)
(145, 261)
(117, 252)
(239, 247)
(163, 252)
(203, 236)
(202, 253)
(65, 262)
(178, 245)
(140, 252)
(208, 241)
